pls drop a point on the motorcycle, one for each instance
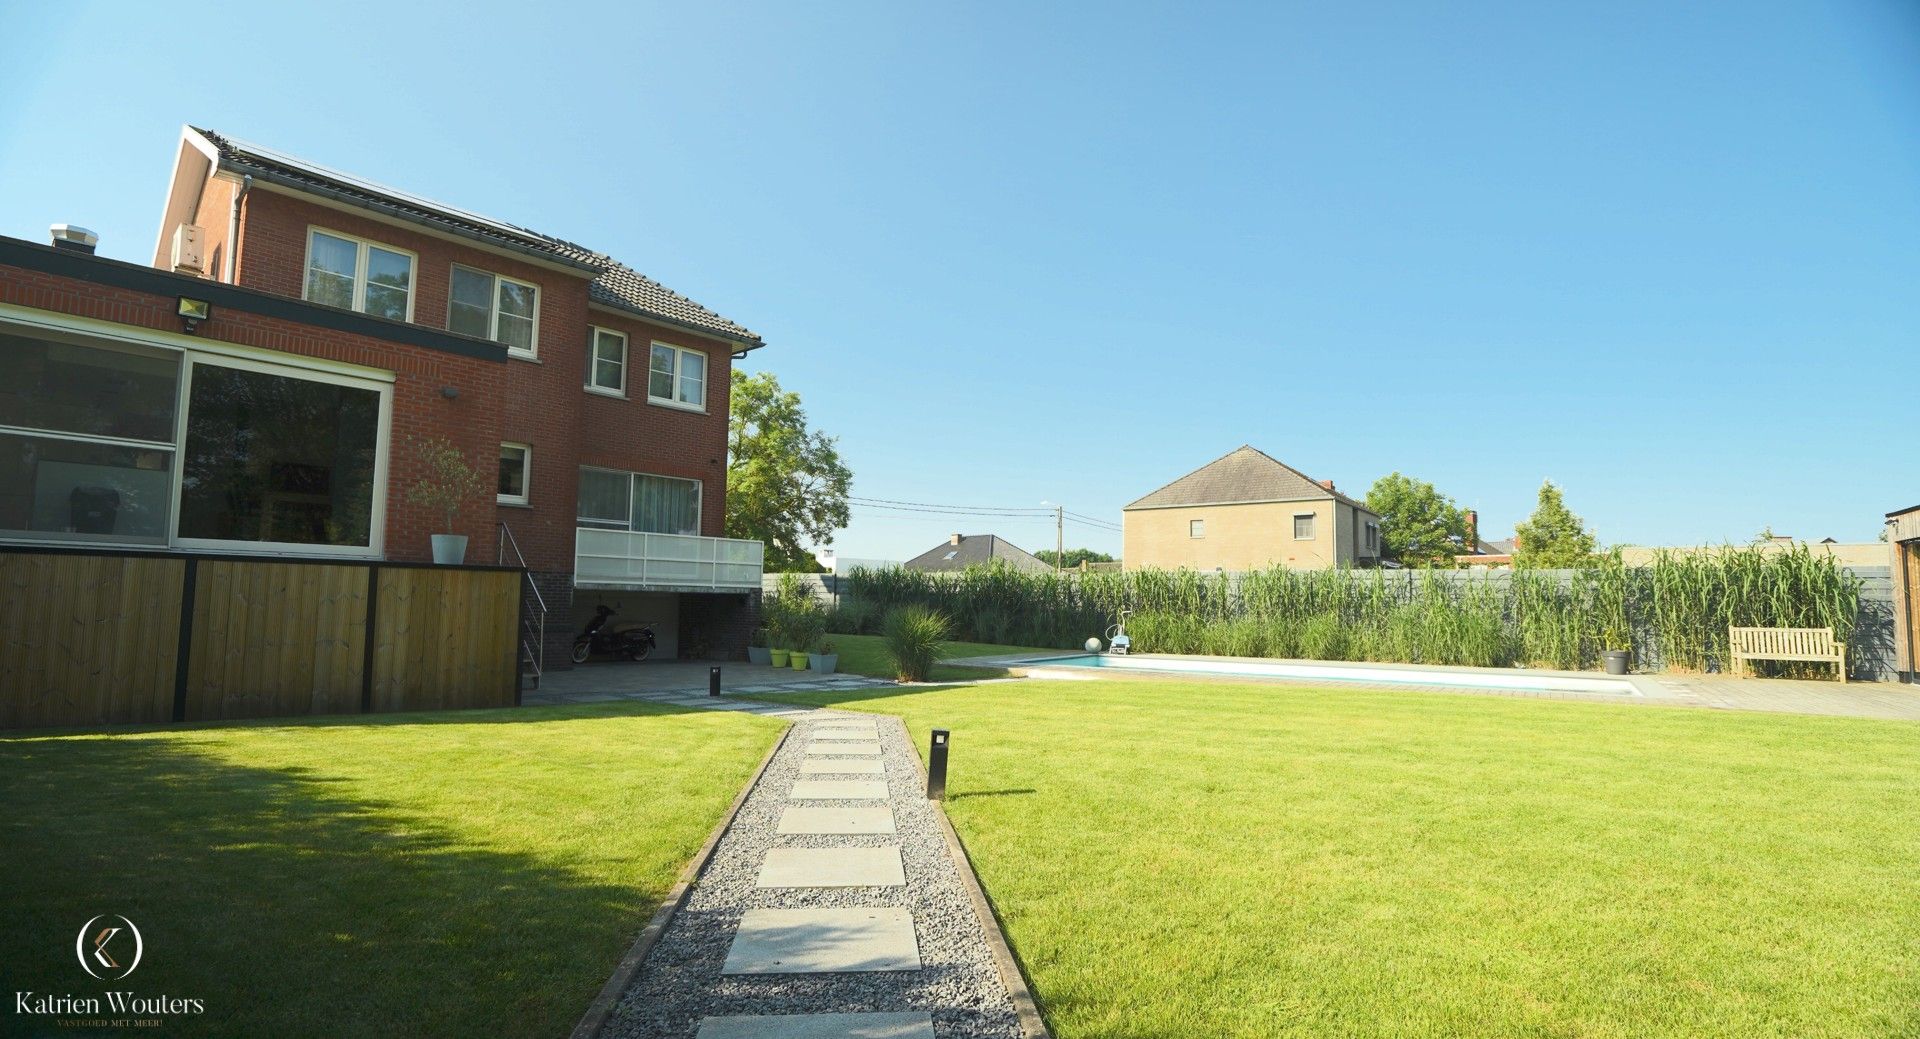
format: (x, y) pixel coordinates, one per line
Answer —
(633, 641)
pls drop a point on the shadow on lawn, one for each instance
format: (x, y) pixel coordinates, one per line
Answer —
(535, 714)
(287, 907)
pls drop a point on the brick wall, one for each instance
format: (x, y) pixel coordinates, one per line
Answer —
(722, 622)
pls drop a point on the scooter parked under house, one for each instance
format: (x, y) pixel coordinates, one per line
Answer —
(633, 641)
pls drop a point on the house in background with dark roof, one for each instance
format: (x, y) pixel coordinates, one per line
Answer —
(960, 551)
(1247, 510)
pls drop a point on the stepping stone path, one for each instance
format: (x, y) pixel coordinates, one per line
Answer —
(831, 908)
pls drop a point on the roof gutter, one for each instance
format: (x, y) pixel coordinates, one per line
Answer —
(233, 226)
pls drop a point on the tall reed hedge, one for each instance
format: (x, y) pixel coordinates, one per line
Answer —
(1672, 613)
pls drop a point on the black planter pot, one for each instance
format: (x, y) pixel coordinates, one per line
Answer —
(1615, 660)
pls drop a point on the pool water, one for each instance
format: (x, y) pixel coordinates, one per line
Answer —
(1464, 678)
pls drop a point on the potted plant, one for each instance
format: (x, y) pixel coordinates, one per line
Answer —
(825, 657)
(806, 623)
(757, 649)
(448, 483)
(1616, 661)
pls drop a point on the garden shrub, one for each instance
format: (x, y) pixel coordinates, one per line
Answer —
(915, 636)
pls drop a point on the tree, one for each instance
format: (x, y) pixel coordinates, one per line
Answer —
(1419, 526)
(1074, 557)
(786, 485)
(1553, 537)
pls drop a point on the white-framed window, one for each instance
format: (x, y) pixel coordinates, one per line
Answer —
(1303, 526)
(1196, 528)
(614, 500)
(677, 377)
(355, 274)
(1373, 536)
(607, 362)
(496, 307)
(516, 473)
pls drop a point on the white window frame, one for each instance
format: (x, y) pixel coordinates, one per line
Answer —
(594, 332)
(706, 378)
(601, 523)
(1373, 537)
(1196, 529)
(1313, 526)
(360, 267)
(526, 476)
(532, 353)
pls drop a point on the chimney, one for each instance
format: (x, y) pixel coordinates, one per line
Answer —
(1328, 484)
(75, 237)
(1473, 531)
(953, 539)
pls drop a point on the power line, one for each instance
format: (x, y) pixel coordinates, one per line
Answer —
(963, 508)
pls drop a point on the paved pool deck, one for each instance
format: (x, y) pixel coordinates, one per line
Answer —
(679, 680)
(1886, 700)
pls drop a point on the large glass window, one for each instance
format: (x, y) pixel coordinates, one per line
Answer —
(271, 458)
(354, 274)
(490, 306)
(639, 501)
(677, 376)
(90, 390)
(71, 490)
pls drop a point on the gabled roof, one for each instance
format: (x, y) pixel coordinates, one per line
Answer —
(975, 550)
(1241, 476)
(614, 283)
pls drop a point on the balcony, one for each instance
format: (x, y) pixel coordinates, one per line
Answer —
(665, 562)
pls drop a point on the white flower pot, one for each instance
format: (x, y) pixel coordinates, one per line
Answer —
(449, 549)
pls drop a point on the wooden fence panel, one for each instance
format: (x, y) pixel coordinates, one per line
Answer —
(87, 639)
(273, 639)
(445, 638)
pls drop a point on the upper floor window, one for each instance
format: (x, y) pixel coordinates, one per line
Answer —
(1303, 526)
(678, 376)
(355, 274)
(607, 362)
(516, 465)
(638, 501)
(1373, 536)
(1196, 528)
(496, 307)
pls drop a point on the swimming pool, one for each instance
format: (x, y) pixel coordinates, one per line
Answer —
(1394, 674)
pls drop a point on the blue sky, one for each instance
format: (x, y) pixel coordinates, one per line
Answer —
(1666, 255)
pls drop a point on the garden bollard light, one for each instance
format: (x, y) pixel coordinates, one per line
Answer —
(937, 767)
(713, 680)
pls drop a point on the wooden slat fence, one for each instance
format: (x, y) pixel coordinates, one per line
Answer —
(103, 638)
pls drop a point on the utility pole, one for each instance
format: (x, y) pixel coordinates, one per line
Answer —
(1059, 538)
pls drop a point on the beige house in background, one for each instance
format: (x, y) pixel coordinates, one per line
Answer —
(1245, 511)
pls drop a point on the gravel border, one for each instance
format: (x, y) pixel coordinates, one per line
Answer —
(959, 983)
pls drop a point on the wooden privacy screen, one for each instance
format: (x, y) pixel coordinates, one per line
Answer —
(94, 638)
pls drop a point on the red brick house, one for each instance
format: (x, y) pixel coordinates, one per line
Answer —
(348, 319)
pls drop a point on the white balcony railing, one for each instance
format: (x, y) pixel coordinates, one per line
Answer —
(667, 562)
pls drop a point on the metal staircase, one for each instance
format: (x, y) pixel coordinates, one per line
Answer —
(533, 622)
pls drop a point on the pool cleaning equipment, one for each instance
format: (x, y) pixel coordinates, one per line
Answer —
(1117, 641)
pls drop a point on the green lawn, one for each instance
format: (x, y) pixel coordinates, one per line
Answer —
(1237, 860)
(455, 874)
(867, 655)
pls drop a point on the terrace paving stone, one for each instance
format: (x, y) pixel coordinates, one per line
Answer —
(812, 941)
(831, 867)
(818, 1026)
(838, 790)
(866, 749)
(800, 820)
(843, 767)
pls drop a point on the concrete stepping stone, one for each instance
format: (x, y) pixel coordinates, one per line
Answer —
(831, 867)
(818, 1026)
(836, 735)
(843, 767)
(838, 790)
(813, 941)
(799, 820)
(816, 749)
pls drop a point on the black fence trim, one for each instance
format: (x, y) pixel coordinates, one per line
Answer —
(183, 650)
(366, 651)
(99, 270)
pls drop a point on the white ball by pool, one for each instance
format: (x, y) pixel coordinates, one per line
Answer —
(1093, 645)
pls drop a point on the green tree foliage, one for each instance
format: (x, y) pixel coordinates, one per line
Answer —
(786, 485)
(1074, 557)
(1419, 526)
(1553, 537)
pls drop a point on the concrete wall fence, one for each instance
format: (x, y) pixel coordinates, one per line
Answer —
(105, 638)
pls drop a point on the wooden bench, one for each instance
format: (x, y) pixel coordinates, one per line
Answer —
(1815, 644)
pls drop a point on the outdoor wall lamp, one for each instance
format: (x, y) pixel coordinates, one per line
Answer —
(192, 312)
(450, 392)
